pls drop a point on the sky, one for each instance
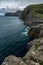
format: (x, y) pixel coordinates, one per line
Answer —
(17, 4)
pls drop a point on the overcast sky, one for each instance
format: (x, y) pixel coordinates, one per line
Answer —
(18, 3)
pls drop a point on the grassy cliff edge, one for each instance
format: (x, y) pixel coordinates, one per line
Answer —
(36, 10)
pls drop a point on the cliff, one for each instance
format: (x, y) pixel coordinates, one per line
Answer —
(32, 14)
(18, 13)
(36, 10)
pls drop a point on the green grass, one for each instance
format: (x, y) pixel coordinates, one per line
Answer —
(36, 10)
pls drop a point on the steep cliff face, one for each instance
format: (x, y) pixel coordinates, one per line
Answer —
(36, 10)
(32, 14)
(33, 17)
(36, 31)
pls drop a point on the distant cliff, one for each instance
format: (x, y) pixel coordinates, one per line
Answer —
(18, 13)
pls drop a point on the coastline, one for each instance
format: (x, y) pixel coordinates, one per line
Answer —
(34, 56)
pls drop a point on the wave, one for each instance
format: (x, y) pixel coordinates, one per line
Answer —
(26, 31)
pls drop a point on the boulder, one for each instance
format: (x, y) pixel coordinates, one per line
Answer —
(12, 60)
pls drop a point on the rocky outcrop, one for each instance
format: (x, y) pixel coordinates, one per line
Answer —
(36, 31)
(12, 60)
(35, 53)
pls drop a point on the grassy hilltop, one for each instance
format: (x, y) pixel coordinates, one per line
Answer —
(36, 10)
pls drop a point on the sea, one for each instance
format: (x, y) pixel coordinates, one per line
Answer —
(13, 37)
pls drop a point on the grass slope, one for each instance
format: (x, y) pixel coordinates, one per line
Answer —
(36, 10)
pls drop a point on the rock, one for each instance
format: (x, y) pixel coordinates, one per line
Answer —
(34, 31)
(33, 63)
(41, 33)
(36, 51)
(12, 60)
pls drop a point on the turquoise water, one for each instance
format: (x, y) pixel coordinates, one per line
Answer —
(13, 37)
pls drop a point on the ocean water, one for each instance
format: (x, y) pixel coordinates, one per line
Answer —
(13, 37)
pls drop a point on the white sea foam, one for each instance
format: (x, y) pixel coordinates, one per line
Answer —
(26, 31)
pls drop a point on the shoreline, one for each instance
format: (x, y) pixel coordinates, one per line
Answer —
(34, 55)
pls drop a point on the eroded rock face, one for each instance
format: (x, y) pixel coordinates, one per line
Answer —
(31, 20)
(36, 51)
(12, 60)
(41, 33)
(36, 31)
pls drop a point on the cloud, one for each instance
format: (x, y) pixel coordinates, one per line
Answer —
(22, 2)
(10, 4)
(18, 3)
